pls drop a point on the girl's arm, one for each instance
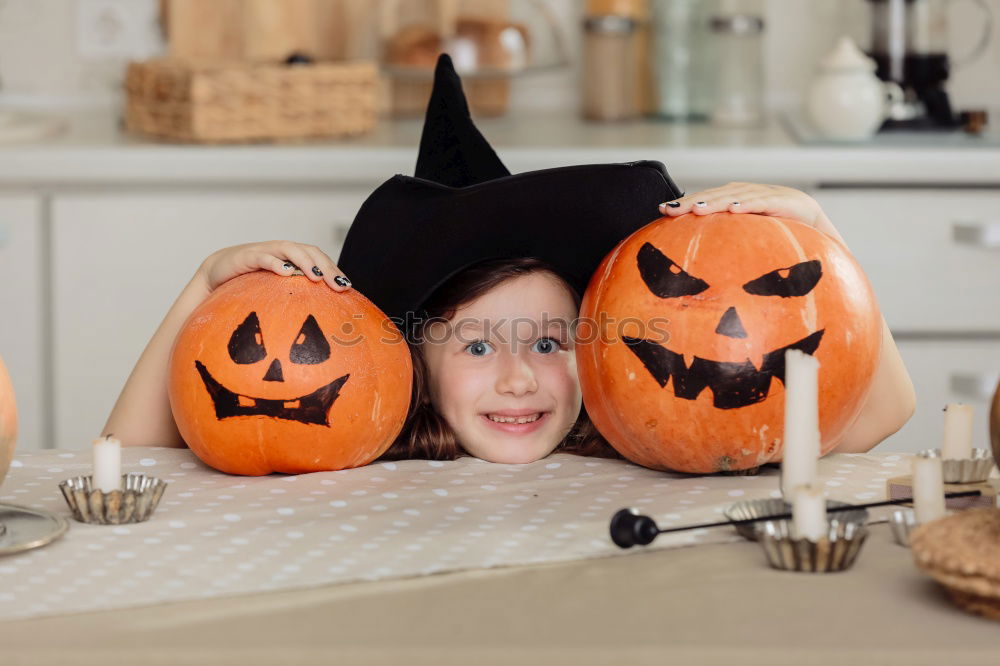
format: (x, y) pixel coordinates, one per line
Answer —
(142, 416)
(891, 400)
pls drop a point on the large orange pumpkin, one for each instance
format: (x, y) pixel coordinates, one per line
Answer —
(683, 331)
(281, 374)
(8, 421)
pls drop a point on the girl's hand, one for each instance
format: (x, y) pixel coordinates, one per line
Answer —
(774, 200)
(280, 257)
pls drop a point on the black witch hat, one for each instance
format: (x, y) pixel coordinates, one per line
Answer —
(463, 207)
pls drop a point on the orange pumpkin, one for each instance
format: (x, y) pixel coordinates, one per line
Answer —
(8, 421)
(683, 331)
(281, 374)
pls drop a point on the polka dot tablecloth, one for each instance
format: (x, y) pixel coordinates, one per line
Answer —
(214, 534)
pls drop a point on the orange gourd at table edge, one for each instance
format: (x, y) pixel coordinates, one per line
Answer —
(8, 421)
(281, 374)
(694, 382)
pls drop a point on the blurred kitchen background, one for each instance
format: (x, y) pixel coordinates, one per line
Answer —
(276, 119)
(74, 51)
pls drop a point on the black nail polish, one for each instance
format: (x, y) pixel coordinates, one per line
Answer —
(287, 266)
(317, 272)
(674, 204)
(342, 281)
(699, 203)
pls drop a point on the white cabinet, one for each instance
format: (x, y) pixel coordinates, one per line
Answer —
(933, 257)
(946, 371)
(120, 259)
(22, 311)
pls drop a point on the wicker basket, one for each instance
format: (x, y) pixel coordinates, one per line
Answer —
(241, 102)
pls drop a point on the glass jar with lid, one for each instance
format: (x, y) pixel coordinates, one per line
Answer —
(739, 89)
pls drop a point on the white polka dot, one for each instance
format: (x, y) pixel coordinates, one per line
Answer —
(440, 492)
(411, 512)
(16, 463)
(8, 569)
(232, 517)
(67, 455)
(239, 541)
(736, 493)
(390, 466)
(121, 530)
(147, 462)
(278, 491)
(338, 503)
(379, 507)
(553, 465)
(348, 528)
(359, 492)
(177, 524)
(460, 509)
(54, 469)
(435, 463)
(294, 535)
(188, 465)
(286, 511)
(126, 555)
(390, 495)
(152, 540)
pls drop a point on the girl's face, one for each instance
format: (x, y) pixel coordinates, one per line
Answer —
(503, 370)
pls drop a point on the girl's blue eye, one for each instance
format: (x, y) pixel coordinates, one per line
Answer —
(545, 346)
(479, 348)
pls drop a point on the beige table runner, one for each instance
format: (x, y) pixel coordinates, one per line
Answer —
(219, 535)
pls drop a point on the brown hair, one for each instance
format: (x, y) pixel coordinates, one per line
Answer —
(425, 433)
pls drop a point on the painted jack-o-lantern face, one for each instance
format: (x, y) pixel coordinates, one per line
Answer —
(282, 374)
(689, 372)
(246, 347)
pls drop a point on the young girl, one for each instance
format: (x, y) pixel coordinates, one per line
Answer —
(501, 394)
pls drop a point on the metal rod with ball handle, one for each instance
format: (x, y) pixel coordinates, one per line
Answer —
(630, 528)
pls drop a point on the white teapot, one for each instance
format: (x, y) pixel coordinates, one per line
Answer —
(847, 101)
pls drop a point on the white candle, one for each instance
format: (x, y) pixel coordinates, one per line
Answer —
(801, 451)
(957, 432)
(928, 488)
(808, 513)
(107, 464)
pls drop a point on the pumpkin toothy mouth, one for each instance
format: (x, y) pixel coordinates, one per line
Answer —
(732, 384)
(311, 409)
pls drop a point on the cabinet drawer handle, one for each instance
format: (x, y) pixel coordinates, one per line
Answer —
(974, 387)
(984, 235)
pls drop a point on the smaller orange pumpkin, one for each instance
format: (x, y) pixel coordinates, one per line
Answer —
(281, 374)
(8, 421)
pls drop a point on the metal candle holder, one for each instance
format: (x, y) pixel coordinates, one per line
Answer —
(133, 503)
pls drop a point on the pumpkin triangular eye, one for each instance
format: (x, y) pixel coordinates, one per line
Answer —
(310, 345)
(246, 344)
(665, 278)
(798, 280)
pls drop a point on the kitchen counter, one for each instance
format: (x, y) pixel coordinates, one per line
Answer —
(95, 151)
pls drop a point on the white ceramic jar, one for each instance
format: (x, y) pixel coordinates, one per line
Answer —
(847, 101)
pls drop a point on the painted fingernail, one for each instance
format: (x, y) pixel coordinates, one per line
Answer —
(317, 272)
(672, 204)
(699, 203)
(288, 266)
(736, 203)
(342, 281)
